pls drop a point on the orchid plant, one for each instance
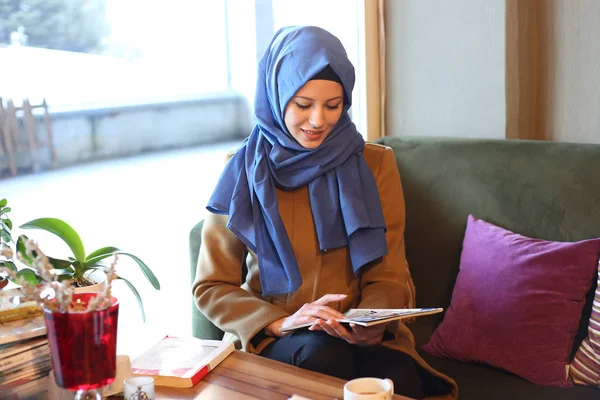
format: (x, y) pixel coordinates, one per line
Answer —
(54, 294)
(74, 269)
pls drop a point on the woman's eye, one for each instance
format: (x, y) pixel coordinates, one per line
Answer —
(333, 107)
(302, 106)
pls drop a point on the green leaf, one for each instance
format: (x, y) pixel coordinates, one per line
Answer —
(98, 266)
(57, 263)
(95, 259)
(28, 275)
(105, 250)
(22, 250)
(8, 223)
(8, 264)
(137, 296)
(85, 267)
(63, 230)
(78, 269)
(147, 272)
(5, 236)
(64, 276)
(3, 202)
(6, 210)
(5, 228)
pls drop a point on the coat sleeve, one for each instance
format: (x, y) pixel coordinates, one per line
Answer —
(386, 283)
(217, 290)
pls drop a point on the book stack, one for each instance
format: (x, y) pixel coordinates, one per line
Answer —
(15, 305)
(24, 353)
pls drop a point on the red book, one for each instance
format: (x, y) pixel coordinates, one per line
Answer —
(181, 362)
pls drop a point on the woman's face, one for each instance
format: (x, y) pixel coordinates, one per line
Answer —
(313, 112)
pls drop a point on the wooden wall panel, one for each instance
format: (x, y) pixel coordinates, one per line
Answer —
(526, 69)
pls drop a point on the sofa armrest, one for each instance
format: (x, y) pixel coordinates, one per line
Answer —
(201, 326)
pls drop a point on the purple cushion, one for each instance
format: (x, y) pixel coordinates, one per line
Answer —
(517, 303)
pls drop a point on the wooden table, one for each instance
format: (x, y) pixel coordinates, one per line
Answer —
(247, 376)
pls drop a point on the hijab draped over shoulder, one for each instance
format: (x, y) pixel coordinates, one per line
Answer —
(343, 193)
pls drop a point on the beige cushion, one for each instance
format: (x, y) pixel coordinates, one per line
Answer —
(585, 367)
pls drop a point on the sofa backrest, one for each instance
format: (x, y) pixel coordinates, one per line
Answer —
(545, 190)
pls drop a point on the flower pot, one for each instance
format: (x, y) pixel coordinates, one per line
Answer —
(97, 277)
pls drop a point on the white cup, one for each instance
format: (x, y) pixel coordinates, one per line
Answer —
(369, 389)
(138, 386)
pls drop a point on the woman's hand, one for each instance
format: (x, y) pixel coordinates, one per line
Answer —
(309, 312)
(355, 334)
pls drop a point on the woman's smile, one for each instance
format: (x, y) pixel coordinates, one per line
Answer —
(312, 134)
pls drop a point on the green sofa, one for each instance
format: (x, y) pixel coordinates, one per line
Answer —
(546, 190)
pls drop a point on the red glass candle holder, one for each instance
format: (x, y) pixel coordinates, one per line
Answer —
(83, 345)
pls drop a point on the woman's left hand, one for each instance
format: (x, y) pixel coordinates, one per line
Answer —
(354, 334)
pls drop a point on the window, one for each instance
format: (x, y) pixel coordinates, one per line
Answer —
(106, 53)
(76, 52)
(172, 49)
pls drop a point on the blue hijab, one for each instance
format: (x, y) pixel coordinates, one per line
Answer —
(343, 193)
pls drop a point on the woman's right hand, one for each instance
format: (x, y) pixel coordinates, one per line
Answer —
(309, 312)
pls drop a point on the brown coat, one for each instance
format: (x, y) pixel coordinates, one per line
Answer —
(242, 311)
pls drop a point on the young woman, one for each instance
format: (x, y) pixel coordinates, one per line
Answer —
(320, 215)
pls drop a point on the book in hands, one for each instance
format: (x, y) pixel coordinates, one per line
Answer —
(374, 316)
(181, 361)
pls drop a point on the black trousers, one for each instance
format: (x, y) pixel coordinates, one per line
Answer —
(317, 351)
